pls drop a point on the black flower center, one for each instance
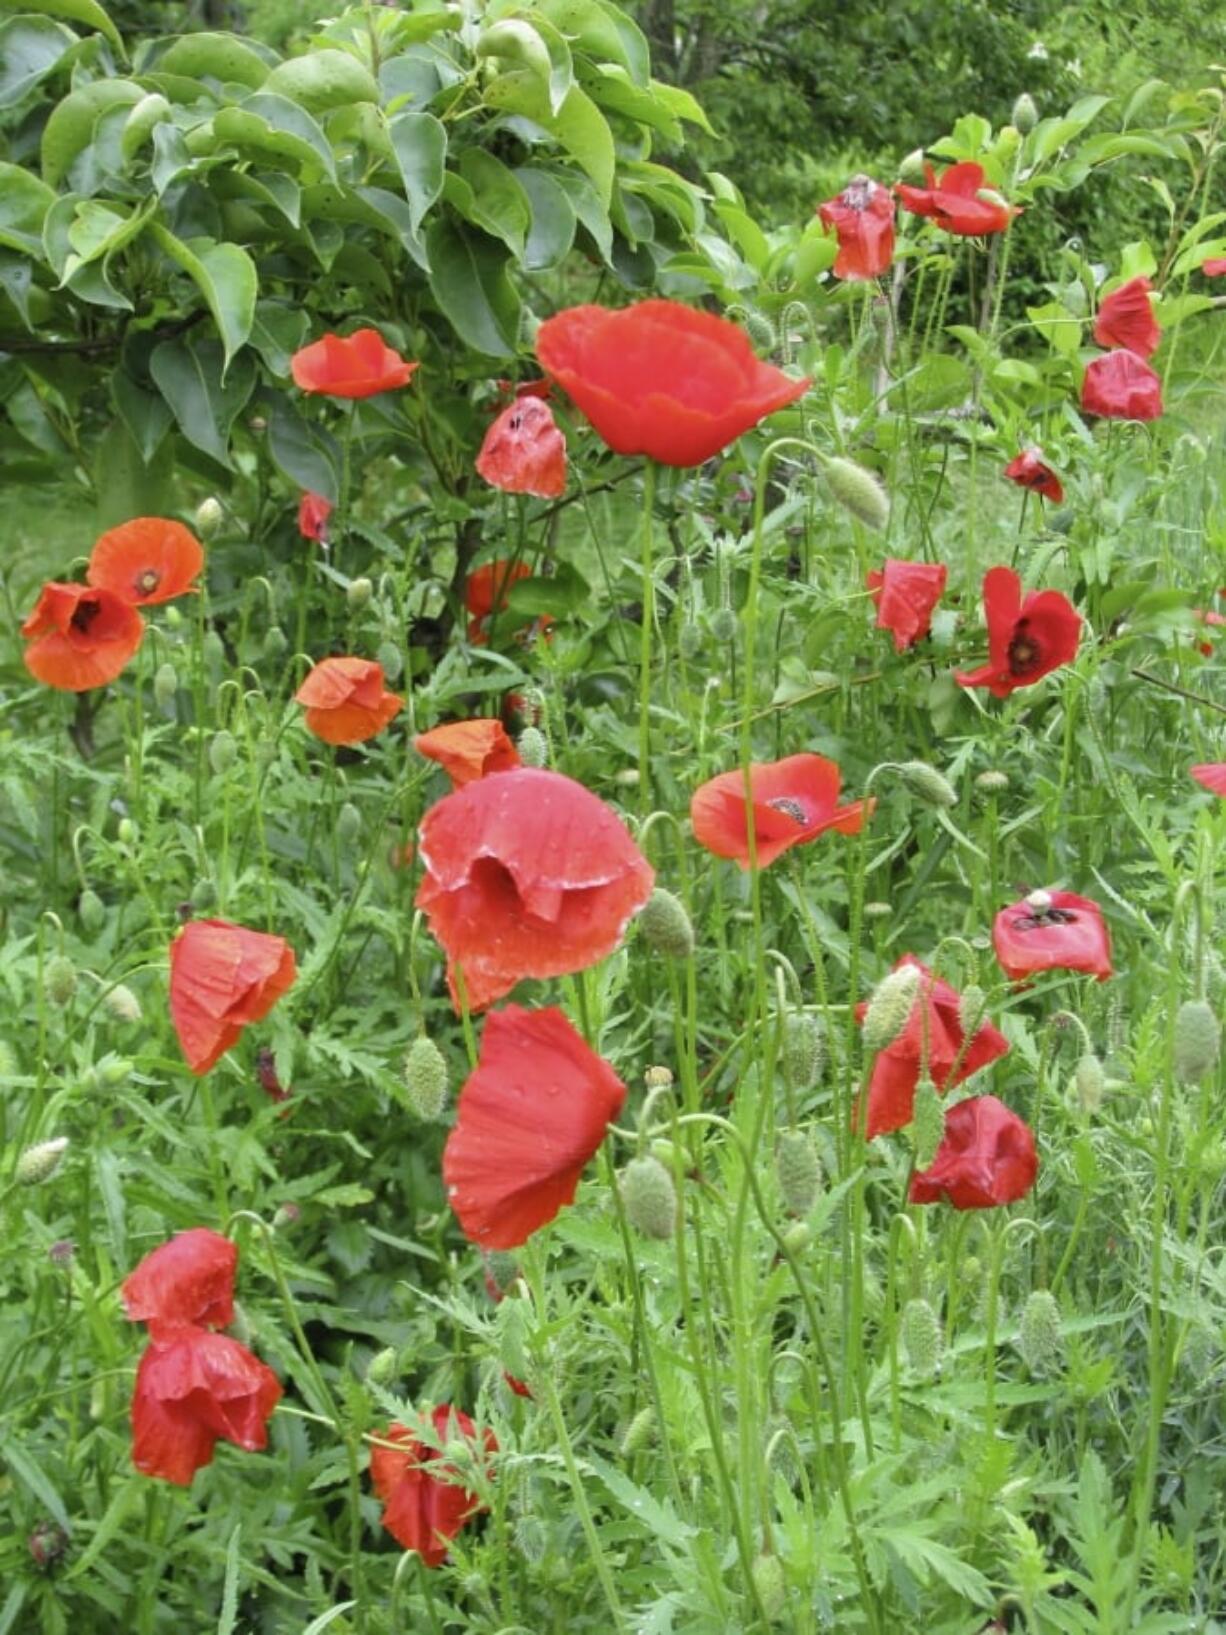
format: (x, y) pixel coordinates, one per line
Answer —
(147, 582)
(84, 614)
(1036, 919)
(1024, 652)
(793, 808)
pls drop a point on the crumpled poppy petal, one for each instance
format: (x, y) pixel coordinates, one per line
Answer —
(1067, 934)
(467, 750)
(986, 1159)
(187, 1281)
(192, 1389)
(524, 452)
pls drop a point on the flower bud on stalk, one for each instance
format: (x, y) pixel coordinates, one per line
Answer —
(771, 1585)
(928, 784)
(803, 1049)
(972, 1008)
(858, 491)
(1090, 1082)
(121, 1003)
(889, 1008)
(1198, 1040)
(223, 752)
(1025, 114)
(638, 1433)
(533, 747)
(60, 980)
(922, 1339)
(209, 517)
(39, 1163)
(724, 626)
(358, 593)
(1039, 1331)
(92, 910)
(927, 1123)
(799, 1171)
(666, 925)
(348, 824)
(649, 1197)
(165, 686)
(425, 1078)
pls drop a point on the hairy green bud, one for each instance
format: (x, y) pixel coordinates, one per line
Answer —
(804, 1049)
(650, 1197)
(992, 781)
(1090, 1082)
(1198, 1040)
(383, 1366)
(358, 593)
(927, 1122)
(533, 747)
(1039, 1333)
(165, 686)
(209, 517)
(724, 626)
(60, 980)
(666, 925)
(348, 824)
(928, 784)
(39, 1163)
(424, 1078)
(92, 910)
(121, 1003)
(922, 1339)
(223, 752)
(771, 1585)
(972, 1008)
(1025, 114)
(689, 640)
(391, 659)
(638, 1433)
(889, 1008)
(857, 491)
(275, 644)
(799, 1171)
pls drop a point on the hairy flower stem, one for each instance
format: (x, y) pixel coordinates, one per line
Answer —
(648, 595)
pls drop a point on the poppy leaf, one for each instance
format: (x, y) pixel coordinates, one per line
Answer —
(419, 142)
(189, 377)
(87, 12)
(469, 281)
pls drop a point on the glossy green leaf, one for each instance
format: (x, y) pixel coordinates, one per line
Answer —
(277, 332)
(274, 124)
(30, 48)
(304, 454)
(603, 32)
(590, 212)
(152, 110)
(225, 275)
(146, 415)
(70, 129)
(566, 591)
(323, 79)
(537, 46)
(496, 201)
(420, 145)
(221, 57)
(468, 278)
(553, 219)
(16, 278)
(24, 203)
(188, 373)
(127, 483)
(579, 125)
(86, 12)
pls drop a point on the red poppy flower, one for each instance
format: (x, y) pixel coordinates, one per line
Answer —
(266, 1076)
(187, 1282)
(1126, 319)
(1212, 776)
(526, 875)
(1026, 639)
(863, 217)
(986, 1159)
(1029, 471)
(485, 590)
(1121, 386)
(82, 637)
(346, 702)
(896, 1069)
(150, 559)
(794, 801)
(524, 452)
(357, 365)
(1215, 621)
(529, 1118)
(905, 594)
(467, 750)
(953, 202)
(518, 1386)
(192, 1389)
(313, 513)
(1052, 931)
(223, 977)
(422, 1509)
(662, 379)
(1215, 267)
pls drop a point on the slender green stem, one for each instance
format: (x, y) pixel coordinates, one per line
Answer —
(646, 631)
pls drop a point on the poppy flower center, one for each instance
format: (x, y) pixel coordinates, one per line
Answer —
(858, 194)
(1024, 654)
(792, 808)
(84, 614)
(1037, 919)
(147, 582)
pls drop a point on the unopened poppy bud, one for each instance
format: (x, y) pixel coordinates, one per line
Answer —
(502, 1270)
(798, 1236)
(113, 1071)
(638, 1433)
(929, 784)
(1025, 114)
(799, 1171)
(760, 331)
(126, 832)
(60, 979)
(1198, 1039)
(92, 910)
(165, 686)
(275, 643)
(912, 166)
(392, 661)
(689, 640)
(121, 1003)
(348, 824)
(857, 491)
(1039, 1333)
(48, 1543)
(922, 1339)
(724, 626)
(382, 1368)
(358, 593)
(209, 517)
(665, 1152)
(286, 1215)
(666, 925)
(992, 780)
(770, 1585)
(533, 747)
(878, 911)
(223, 752)
(972, 1008)
(804, 1048)
(425, 1078)
(649, 1197)
(1089, 1081)
(1039, 901)
(531, 1539)
(927, 1122)
(39, 1163)
(658, 1078)
(213, 650)
(889, 1007)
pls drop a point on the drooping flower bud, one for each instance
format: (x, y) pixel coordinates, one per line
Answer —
(658, 1077)
(209, 517)
(1198, 1039)
(928, 784)
(638, 1433)
(383, 1366)
(760, 331)
(392, 661)
(348, 824)
(927, 1122)
(92, 911)
(804, 1049)
(424, 1078)
(121, 1003)
(275, 644)
(501, 1272)
(213, 651)
(358, 593)
(1039, 1333)
(798, 1170)
(798, 1236)
(533, 747)
(223, 752)
(689, 640)
(972, 1008)
(992, 780)
(666, 925)
(60, 979)
(771, 1585)
(649, 1197)
(165, 687)
(857, 491)
(47, 1544)
(286, 1215)
(39, 1163)
(1090, 1082)
(724, 626)
(1025, 115)
(889, 1007)
(922, 1339)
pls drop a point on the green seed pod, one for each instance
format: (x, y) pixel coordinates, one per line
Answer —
(533, 747)
(972, 1008)
(1198, 1039)
(658, 1078)
(927, 1122)
(391, 660)
(689, 640)
(804, 1049)
(922, 1339)
(928, 784)
(275, 644)
(126, 832)
(165, 687)
(771, 1586)
(92, 911)
(1090, 1082)
(223, 752)
(358, 593)
(798, 1170)
(649, 1197)
(383, 1366)
(992, 781)
(213, 650)
(39, 1163)
(59, 980)
(760, 331)
(724, 626)
(1025, 115)
(666, 925)
(639, 1433)
(1039, 1333)
(858, 491)
(425, 1078)
(889, 1008)
(209, 517)
(121, 1003)
(798, 1236)
(348, 824)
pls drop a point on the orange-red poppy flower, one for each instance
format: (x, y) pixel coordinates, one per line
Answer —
(422, 1508)
(1212, 621)
(186, 1282)
(1121, 386)
(1027, 639)
(357, 365)
(954, 203)
(862, 215)
(1215, 267)
(222, 977)
(529, 1118)
(194, 1388)
(150, 559)
(1126, 319)
(485, 592)
(986, 1159)
(1052, 931)
(524, 452)
(1211, 775)
(345, 700)
(896, 1069)
(794, 801)
(906, 594)
(469, 749)
(1028, 470)
(313, 513)
(526, 875)
(80, 637)
(662, 379)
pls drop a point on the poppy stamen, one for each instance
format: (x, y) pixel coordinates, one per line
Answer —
(1024, 655)
(793, 808)
(84, 614)
(147, 582)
